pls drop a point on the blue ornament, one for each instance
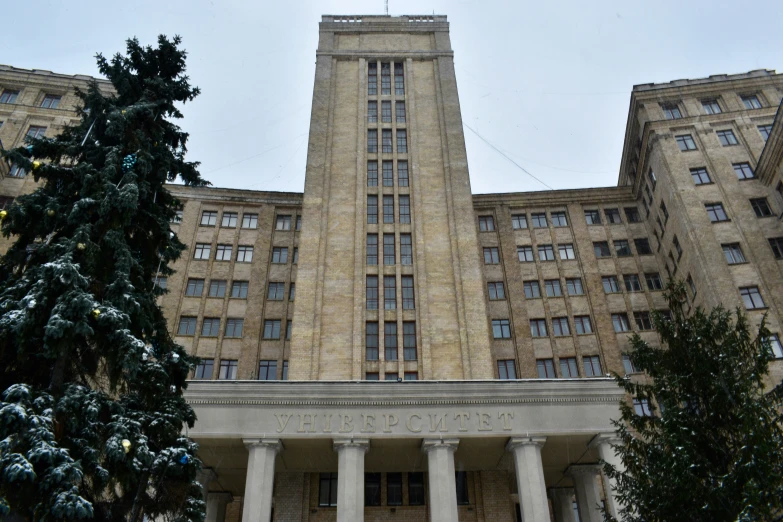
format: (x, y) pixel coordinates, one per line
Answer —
(128, 162)
(30, 148)
(184, 459)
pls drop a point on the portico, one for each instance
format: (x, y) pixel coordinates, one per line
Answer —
(527, 436)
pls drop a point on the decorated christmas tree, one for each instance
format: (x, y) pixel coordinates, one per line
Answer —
(92, 412)
(703, 441)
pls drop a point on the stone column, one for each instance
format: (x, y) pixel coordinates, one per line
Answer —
(530, 478)
(603, 442)
(442, 479)
(563, 504)
(350, 479)
(260, 479)
(588, 496)
(216, 506)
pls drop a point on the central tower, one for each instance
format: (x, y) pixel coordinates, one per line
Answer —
(389, 280)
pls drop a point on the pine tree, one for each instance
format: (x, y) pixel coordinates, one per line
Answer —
(712, 448)
(92, 411)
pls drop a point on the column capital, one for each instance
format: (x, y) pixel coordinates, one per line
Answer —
(221, 496)
(340, 444)
(561, 492)
(431, 444)
(275, 444)
(583, 469)
(516, 442)
(608, 437)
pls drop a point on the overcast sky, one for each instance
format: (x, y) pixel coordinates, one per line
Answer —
(546, 82)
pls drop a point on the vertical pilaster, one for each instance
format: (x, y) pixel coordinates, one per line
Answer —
(562, 502)
(588, 496)
(530, 477)
(350, 479)
(442, 479)
(603, 442)
(260, 479)
(216, 506)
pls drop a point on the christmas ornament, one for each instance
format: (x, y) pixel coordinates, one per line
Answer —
(29, 148)
(96, 313)
(50, 212)
(128, 162)
(81, 246)
(175, 357)
(36, 164)
(3, 214)
(144, 356)
(123, 111)
(184, 459)
(126, 445)
(173, 389)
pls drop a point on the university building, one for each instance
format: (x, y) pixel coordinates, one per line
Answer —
(388, 345)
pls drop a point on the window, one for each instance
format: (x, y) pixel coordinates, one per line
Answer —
(405, 210)
(491, 256)
(223, 253)
(244, 254)
(665, 213)
(496, 291)
(553, 288)
(204, 369)
(283, 223)
(276, 291)
(371, 341)
(691, 285)
(752, 297)
(18, 172)
(777, 347)
(610, 284)
(642, 246)
(416, 489)
(671, 111)
(299, 222)
(386, 112)
(8, 96)
(195, 287)
(601, 249)
(161, 282)
(642, 407)
(411, 376)
(751, 101)
(203, 251)
(280, 255)
(406, 249)
(677, 247)
(622, 248)
(628, 365)
(560, 326)
(592, 366)
(249, 220)
(711, 106)
(761, 207)
(372, 210)
(566, 251)
(532, 289)
(372, 141)
(187, 326)
(539, 220)
(408, 299)
(228, 369)
(372, 173)
(632, 283)
(239, 289)
(389, 256)
(743, 171)
(620, 322)
(393, 489)
(592, 217)
(177, 219)
(653, 281)
(632, 215)
(685, 142)
(524, 253)
(399, 87)
(559, 219)
(486, 224)
(568, 368)
(462, 488)
(399, 108)
(716, 212)
(388, 174)
(372, 293)
(574, 286)
(501, 329)
(776, 244)
(272, 329)
(518, 221)
(765, 131)
(545, 368)
(700, 176)
(653, 181)
(402, 141)
(372, 249)
(372, 111)
(284, 377)
(51, 101)
(217, 288)
(210, 327)
(643, 320)
(388, 209)
(389, 293)
(546, 253)
(733, 253)
(209, 218)
(234, 327)
(267, 370)
(390, 341)
(35, 131)
(538, 328)
(726, 137)
(582, 324)
(402, 173)
(507, 369)
(327, 485)
(229, 220)
(612, 216)
(409, 341)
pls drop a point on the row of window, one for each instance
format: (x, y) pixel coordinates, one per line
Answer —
(210, 326)
(386, 85)
(700, 175)
(267, 370)
(726, 137)
(209, 218)
(566, 251)
(519, 220)
(390, 341)
(35, 131)
(50, 101)
(671, 110)
(546, 368)
(390, 292)
(717, 213)
(407, 376)
(217, 288)
(403, 214)
(632, 283)
(386, 111)
(327, 489)
(387, 141)
(224, 252)
(389, 249)
(387, 173)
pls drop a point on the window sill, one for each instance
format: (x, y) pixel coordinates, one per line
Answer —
(757, 308)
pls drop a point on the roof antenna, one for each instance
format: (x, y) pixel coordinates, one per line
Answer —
(386, 6)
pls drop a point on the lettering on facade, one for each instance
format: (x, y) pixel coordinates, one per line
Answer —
(367, 422)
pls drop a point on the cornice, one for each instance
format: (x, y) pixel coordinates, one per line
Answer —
(415, 55)
(239, 196)
(550, 198)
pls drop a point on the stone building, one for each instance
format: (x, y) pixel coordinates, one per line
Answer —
(387, 345)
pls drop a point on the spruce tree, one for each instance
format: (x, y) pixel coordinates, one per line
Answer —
(710, 449)
(92, 410)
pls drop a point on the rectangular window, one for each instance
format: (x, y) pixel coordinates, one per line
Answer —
(622, 248)
(390, 341)
(402, 173)
(372, 87)
(228, 369)
(416, 489)
(518, 221)
(677, 247)
(610, 284)
(239, 289)
(726, 137)
(409, 341)
(393, 489)
(405, 210)
(399, 80)
(195, 287)
(327, 486)
(752, 297)
(283, 223)
(249, 220)
(733, 253)
(8, 96)
(210, 327)
(372, 249)
(765, 131)
(777, 347)
(601, 249)
(291, 291)
(386, 112)
(715, 212)
(462, 488)
(385, 78)
(372, 173)
(761, 207)
(524, 253)
(389, 256)
(776, 244)
(632, 283)
(234, 327)
(632, 215)
(559, 219)
(592, 217)
(507, 369)
(229, 220)
(592, 366)
(244, 254)
(217, 288)
(620, 322)
(501, 329)
(389, 293)
(642, 246)
(388, 174)
(653, 181)
(643, 320)
(582, 324)
(18, 172)
(35, 131)
(685, 142)
(496, 291)
(486, 224)
(372, 209)
(553, 288)
(491, 256)
(280, 255)
(372, 111)
(711, 106)
(700, 176)
(751, 101)
(209, 218)
(372, 141)
(187, 326)
(408, 297)
(202, 251)
(272, 329)
(545, 368)
(276, 291)
(566, 251)
(532, 289)
(560, 326)
(642, 407)
(568, 369)
(538, 328)
(406, 249)
(546, 253)
(285, 371)
(388, 209)
(386, 141)
(371, 341)
(161, 282)
(204, 369)
(372, 292)
(628, 365)
(574, 286)
(223, 253)
(612, 216)
(267, 370)
(539, 220)
(399, 108)
(411, 376)
(665, 213)
(653, 281)
(402, 141)
(671, 111)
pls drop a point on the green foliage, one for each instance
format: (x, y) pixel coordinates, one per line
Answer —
(713, 449)
(86, 360)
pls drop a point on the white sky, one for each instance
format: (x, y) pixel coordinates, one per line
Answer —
(547, 82)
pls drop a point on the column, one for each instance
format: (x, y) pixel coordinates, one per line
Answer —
(530, 478)
(350, 479)
(603, 442)
(216, 506)
(588, 495)
(442, 479)
(563, 504)
(260, 479)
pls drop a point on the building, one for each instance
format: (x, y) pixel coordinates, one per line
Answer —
(488, 321)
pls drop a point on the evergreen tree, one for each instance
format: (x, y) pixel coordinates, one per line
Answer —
(712, 449)
(92, 411)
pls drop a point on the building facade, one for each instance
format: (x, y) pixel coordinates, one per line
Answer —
(387, 345)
